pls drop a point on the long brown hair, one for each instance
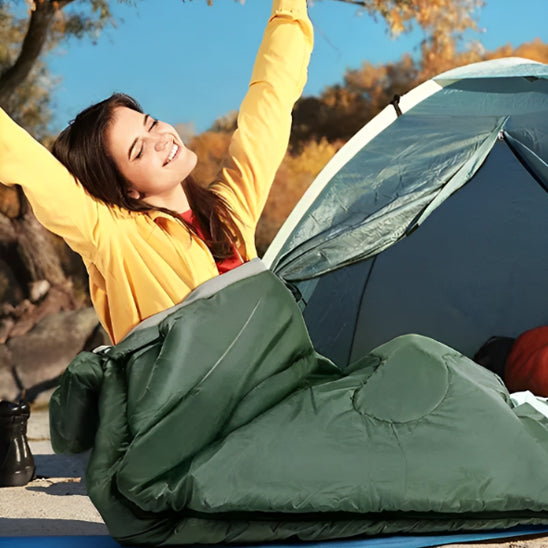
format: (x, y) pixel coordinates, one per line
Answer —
(81, 148)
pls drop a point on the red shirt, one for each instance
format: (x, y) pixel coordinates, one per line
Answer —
(223, 265)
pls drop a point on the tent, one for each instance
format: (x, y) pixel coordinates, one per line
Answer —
(431, 219)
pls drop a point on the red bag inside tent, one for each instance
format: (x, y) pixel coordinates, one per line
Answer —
(527, 365)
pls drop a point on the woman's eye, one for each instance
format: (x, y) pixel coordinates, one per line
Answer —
(141, 150)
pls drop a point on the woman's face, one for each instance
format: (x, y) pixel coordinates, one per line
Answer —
(151, 156)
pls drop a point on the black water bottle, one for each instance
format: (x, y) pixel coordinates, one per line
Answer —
(16, 462)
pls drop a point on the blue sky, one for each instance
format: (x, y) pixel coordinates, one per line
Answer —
(190, 63)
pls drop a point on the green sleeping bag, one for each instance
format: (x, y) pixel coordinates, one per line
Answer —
(217, 422)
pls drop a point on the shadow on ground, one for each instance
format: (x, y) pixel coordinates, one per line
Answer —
(61, 488)
(61, 466)
(44, 527)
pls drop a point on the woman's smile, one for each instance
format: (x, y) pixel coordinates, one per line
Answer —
(173, 154)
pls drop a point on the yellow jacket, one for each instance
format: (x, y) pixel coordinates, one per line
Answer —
(142, 263)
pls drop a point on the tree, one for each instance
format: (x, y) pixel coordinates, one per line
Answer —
(31, 258)
(29, 105)
(47, 23)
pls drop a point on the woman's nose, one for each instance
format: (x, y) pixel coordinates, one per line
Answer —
(161, 141)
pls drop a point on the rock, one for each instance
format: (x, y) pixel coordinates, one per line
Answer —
(8, 387)
(6, 325)
(27, 314)
(7, 309)
(38, 289)
(22, 327)
(23, 307)
(44, 352)
(10, 289)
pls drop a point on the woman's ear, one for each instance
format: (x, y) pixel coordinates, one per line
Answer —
(134, 194)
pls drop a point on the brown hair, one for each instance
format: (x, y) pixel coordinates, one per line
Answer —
(81, 148)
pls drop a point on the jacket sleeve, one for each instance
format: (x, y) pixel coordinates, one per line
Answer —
(264, 121)
(58, 200)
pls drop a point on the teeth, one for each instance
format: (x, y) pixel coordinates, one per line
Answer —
(173, 152)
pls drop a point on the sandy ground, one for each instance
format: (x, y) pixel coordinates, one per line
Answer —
(56, 503)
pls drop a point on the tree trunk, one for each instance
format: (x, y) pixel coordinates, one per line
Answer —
(7, 231)
(35, 247)
(33, 44)
(34, 244)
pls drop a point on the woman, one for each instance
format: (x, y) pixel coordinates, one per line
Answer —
(215, 420)
(121, 215)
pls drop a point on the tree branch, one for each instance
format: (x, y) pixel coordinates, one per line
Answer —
(361, 3)
(33, 44)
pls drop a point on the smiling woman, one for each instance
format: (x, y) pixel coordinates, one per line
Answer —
(145, 157)
(147, 233)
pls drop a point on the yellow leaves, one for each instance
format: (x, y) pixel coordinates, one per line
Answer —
(312, 158)
(211, 148)
(442, 21)
(535, 50)
(58, 26)
(435, 62)
(395, 22)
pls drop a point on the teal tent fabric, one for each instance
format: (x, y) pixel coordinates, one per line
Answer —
(416, 163)
(435, 225)
(472, 270)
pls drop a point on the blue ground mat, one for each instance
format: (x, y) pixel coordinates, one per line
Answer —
(403, 541)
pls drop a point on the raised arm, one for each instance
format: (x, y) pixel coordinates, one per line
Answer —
(264, 121)
(59, 202)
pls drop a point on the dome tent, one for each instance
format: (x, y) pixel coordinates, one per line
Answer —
(432, 221)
